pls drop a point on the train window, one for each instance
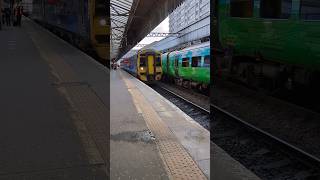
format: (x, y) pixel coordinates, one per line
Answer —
(143, 61)
(102, 38)
(280, 9)
(310, 9)
(185, 62)
(196, 61)
(158, 61)
(206, 62)
(100, 12)
(241, 8)
(100, 9)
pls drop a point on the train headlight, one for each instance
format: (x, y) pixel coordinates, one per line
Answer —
(103, 22)
(141, 68)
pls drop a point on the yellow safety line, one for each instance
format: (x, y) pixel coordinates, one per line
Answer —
(178, 161)
(86, 109)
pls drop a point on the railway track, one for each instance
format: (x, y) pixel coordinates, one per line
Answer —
(197, 112)
(264, 154)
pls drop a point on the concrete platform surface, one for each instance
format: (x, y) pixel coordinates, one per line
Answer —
(173, 138)
(55, 120)
(224, 167)
(46, 132)
(133, 153)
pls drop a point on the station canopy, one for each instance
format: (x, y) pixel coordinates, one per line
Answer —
(120, 11)
(132, 20)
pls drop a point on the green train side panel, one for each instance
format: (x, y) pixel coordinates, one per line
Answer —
(171, 68)
(168, 70)
(197, 74)
(289, 41)
(164, 58)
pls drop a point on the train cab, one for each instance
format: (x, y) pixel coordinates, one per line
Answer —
(100, 36)
(149, 65)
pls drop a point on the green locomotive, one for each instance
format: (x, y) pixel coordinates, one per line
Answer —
(275, 41)
(189, 67)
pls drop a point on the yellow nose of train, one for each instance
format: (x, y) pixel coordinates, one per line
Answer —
(145, 65)
(100, 36)
(149, 66)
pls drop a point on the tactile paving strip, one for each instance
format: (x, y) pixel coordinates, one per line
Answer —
(178, 161)
(90, 111)
(94, 112)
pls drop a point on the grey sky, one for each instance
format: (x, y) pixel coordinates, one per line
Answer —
(163, 27)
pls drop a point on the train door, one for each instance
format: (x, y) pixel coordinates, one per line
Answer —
(176, 65)
(168, 65)
(151, 65)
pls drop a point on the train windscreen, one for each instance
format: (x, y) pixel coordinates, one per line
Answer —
(158, 61)
(143, 61)
(100, 9)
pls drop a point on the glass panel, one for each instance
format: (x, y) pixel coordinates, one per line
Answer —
(158, 61)
(196, 61)
(279, 9)
(310, 9)
(185, 62)
(143, 61)
(206, 62)
(241, 8)
(101, 9)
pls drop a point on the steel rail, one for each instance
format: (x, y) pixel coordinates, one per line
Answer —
(304, 156)
(186, 100)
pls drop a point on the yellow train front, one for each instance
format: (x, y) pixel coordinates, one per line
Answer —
(145, 65)
(81, 22)
(100, 30)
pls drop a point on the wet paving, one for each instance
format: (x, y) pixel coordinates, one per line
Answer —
(145, 136)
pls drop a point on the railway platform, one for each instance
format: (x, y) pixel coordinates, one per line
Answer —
(54, 124)
(149, 131)
(53, 101)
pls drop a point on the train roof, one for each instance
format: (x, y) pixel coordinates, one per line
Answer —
(197, 46)
(148, 50)
(142, 51)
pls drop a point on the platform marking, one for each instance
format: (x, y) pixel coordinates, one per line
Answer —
(87, 109)
(12, 45)
(178, 161)
(94, 156)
